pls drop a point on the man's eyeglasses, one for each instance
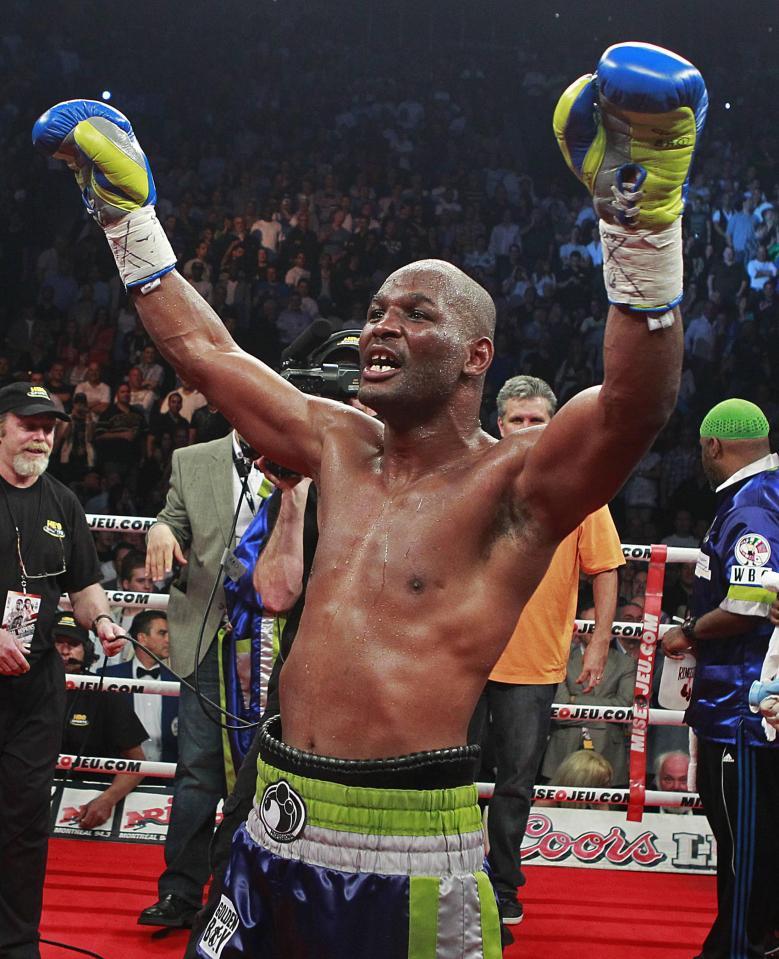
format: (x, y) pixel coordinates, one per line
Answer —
(25, 574)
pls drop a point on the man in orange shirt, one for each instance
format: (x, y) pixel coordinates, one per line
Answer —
(520, 691)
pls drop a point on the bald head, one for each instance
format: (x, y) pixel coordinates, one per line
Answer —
(671, 771)
(454, 290)
(722, 458)
(426, 346)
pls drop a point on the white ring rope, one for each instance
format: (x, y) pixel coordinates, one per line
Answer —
(127, 600)
(140, 524)
(120, 524)
(628, 630)
(145, 767)
(105, 764)
(563, 712)
(590, 795)
(120, 684)
(567, 712)
(675, 554)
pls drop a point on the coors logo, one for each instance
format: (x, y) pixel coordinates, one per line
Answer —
(546, 842)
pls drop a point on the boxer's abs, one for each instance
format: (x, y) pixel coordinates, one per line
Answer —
(387, 672)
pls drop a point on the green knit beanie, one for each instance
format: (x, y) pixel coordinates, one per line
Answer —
(735, 419)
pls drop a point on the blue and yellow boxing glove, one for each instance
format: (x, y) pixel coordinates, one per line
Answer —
(629, 132)
(98, 144)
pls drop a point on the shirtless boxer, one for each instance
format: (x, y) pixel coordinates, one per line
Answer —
(433, 534)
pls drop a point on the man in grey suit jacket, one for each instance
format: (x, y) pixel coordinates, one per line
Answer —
(614, 689)
(194, 529)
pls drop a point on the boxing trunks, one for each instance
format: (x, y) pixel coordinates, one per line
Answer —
(367, 859)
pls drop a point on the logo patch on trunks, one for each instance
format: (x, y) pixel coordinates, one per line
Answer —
(282, 812)
(222, 925)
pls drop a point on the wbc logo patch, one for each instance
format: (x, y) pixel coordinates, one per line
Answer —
(282, 812)
(753, 550)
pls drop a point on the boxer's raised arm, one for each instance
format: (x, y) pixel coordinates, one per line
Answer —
(98, 144)
(593, 443)
(270, 413)
(628, 132)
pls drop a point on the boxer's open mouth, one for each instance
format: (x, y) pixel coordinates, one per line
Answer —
(380, 364)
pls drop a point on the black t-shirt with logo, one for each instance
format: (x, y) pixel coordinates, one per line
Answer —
(54, 539)
(100, 724)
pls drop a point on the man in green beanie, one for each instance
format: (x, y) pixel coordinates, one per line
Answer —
(728, 631)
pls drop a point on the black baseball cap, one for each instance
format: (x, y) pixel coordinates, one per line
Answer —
(66, 625)
(24, 399)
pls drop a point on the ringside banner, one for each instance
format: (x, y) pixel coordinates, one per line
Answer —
(602, 839)
(143, 815)
(662, 842)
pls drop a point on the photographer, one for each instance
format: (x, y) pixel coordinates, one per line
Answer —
(77, 452)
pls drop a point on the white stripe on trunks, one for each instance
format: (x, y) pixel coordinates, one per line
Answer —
(456, 855)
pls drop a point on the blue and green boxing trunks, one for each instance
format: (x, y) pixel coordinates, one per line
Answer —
(357, 859)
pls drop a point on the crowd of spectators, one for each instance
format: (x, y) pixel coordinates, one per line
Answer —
(294, 179)
(305, 205)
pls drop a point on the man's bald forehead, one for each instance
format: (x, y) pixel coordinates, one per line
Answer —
(470, 300)
(439, 272)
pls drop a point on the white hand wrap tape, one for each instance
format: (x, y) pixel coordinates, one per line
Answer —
(140, 247)
(642, 269)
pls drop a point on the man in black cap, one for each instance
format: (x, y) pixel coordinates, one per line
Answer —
(47, 550)
(96, 723)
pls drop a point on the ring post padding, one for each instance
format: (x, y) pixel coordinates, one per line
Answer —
(642, 694)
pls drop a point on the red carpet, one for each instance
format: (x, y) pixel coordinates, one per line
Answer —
(95, 890)
(606, 914)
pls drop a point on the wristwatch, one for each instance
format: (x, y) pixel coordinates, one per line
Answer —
(688, 627)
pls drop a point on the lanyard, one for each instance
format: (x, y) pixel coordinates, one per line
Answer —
(243, 469)
(19, 560)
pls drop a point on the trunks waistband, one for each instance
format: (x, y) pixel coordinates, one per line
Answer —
(366, 828)
(436, 769)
